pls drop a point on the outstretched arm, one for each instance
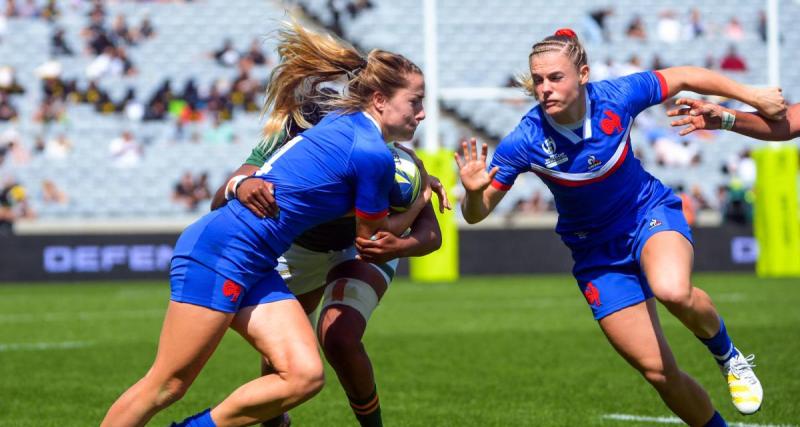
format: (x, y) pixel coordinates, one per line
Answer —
(706, 115)
(768, 101)
(480, 198)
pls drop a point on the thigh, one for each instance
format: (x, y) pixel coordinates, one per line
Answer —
(281, 332)
(189, 336)
(635, 333)
(666, 261)
(305, 270)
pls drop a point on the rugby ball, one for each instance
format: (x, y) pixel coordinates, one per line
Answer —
(407, 181)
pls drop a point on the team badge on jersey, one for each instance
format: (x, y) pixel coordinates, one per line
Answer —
(654, 223)
(593, 162)
(611, 124)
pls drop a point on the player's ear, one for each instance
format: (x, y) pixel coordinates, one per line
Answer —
(583, 74)
(379, 101)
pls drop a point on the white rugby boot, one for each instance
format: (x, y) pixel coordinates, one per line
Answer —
(745, 389)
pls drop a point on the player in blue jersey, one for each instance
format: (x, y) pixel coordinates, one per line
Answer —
(628, 238)
(700, 114)
(321, 265)
(223, 270)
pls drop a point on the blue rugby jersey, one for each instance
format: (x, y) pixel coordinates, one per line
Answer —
(600, 189)
(340, 165)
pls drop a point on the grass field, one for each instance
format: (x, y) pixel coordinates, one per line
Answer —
(488, 351)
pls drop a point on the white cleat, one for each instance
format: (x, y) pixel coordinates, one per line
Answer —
(746, 392)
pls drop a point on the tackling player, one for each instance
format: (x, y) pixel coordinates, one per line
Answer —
(628, 237)
(322, 265)
(223, 273)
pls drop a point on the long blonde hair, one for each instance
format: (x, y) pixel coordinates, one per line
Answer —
(309, 59)
(563, 41)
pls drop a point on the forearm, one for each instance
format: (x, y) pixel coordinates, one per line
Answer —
(219, 200)
(425, 236)
(758, 127)
(706, 82)
(474, 207)
(398, 223)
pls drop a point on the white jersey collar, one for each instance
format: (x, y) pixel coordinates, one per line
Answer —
(568, 133)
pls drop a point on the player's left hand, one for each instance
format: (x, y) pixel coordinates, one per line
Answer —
(441, 192)
(697, 115)
(382, 247)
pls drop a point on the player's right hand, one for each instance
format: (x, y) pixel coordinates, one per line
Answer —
(258, 196)
(472, 167)
(769, 101)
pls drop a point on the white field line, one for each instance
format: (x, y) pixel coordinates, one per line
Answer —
(79, 315)
(674, 420)
(43, 345)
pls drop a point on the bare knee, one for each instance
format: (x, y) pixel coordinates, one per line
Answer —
(339, 343)
(306, 379)
(660, 377)
(677, 294)
(170, 391)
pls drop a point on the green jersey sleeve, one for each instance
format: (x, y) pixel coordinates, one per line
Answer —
(263, 150)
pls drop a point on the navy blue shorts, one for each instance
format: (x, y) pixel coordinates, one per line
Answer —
(609, 275)
(194, 283)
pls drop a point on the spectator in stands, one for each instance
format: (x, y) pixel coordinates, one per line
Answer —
(702, 202)
(146, 29)
(594, 26)
(189, 192)
(190, 93)
(245, 88)
(636, 29)
(130, 107)
(219, 103)
(120, 32)
(51, 194)
(688, 205)
(668, 27)
(11, 9)
(39, 146)
(13, 206)
(156, 110)
(696, 28)
(50, 110)
(28, 9)
(227, 55)
(58, 45)
(732, 61)
(762, 26)
(125, 151)
(15, 152)
(657, 64)
(738, 203)
(7, 110)
(8, 82)
(219, 132)
(256, 54)
(50, 12)
(745, 170)
(734, 30)
(58, 148)
(634, 65)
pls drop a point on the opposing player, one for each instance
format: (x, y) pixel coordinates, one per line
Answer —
(321, 265)
(706, 115)
(625, 229)
(223, 270)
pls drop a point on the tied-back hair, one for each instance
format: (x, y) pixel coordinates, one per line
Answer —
(309, 59)
(564, 41)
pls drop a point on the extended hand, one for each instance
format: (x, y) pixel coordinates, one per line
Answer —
(472, 167)
(696, 115)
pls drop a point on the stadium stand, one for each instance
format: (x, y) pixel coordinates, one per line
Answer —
(481, 44)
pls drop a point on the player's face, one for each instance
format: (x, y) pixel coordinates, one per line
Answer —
(557, 83)
(403, 112)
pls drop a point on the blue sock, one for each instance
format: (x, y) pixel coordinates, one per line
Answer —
(720, 345)
(202, 419)
(716, 421)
